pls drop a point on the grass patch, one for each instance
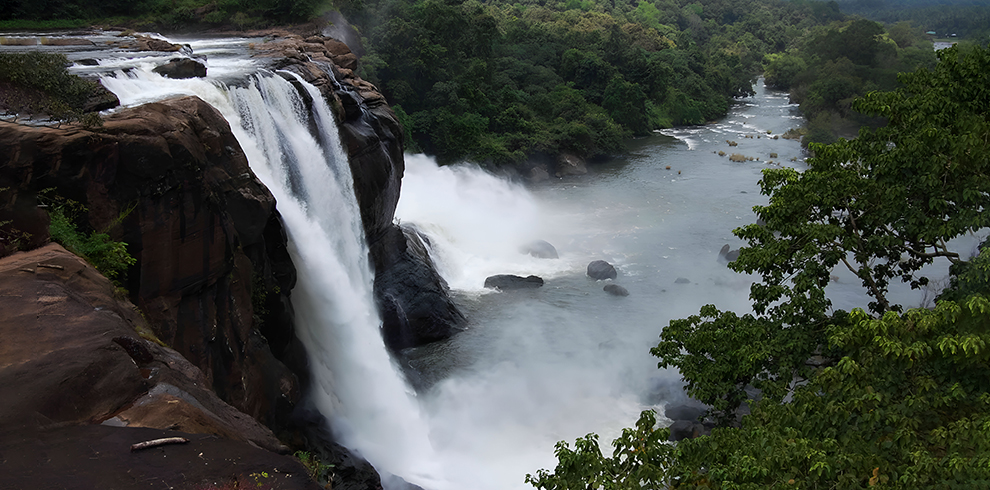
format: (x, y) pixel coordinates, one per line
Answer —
(106, 255)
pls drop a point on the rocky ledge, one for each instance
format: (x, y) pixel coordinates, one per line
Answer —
(75, 353)
(212, 272)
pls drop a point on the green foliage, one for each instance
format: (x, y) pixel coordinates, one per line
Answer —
(319, 471)
(640, 459)
(170, 14)
(107, 256)
(833, 65)
(499, 82)
(63, 93)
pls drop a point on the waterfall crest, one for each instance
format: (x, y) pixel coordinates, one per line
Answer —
(294, 148)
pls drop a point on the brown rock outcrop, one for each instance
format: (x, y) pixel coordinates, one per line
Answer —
(73, 353)
(212, 272)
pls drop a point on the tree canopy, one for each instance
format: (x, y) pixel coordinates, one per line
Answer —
(900, 399)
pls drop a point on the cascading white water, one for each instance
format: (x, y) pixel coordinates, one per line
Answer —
(356, 385)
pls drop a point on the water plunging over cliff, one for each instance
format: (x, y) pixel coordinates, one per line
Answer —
(295, 150)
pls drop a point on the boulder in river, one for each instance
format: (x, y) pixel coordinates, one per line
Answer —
(601, 270)
(182, 68)
(506, 282)
(540, 249)
(616, 290)
(726, 255)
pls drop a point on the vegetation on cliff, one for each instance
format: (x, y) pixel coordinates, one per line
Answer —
(38, 84)
(900, 399)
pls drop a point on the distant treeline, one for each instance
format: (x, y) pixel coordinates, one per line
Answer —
(161, 14)
(966, 19)
(828, 69)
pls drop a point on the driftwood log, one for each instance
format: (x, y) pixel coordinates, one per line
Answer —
(158, 442)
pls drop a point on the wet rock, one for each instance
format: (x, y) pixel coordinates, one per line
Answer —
(615, 290)
(685, 429)
(100, 99)
(413, 299)
(601, 270)
(570, 164)
(182, 68)
(540, 249)
(726, 255)
(505, 282)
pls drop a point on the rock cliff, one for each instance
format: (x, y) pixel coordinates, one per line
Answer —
(212, 271)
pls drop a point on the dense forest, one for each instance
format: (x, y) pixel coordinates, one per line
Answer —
(500, 83)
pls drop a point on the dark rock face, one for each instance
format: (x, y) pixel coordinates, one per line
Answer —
(601, 270)
(505, 282)
(616, 290)
(688, 422)
(182, 68)
(540, 249)
(170, 180)
(412, 297)
(73, 354)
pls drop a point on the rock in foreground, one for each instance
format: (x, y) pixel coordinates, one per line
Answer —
(601, 270)
(72, 355)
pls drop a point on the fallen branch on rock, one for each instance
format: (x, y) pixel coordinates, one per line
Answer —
(158, 442)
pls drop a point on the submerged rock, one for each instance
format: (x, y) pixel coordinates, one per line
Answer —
(540, 249)
(725, 255)
(506, 282)
(616, 290)
(601, 270)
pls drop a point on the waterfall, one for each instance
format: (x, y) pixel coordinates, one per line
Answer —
(355, 383)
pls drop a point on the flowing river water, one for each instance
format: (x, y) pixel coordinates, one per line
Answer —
(534, 366)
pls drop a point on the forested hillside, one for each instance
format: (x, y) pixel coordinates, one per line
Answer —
(501, 82)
